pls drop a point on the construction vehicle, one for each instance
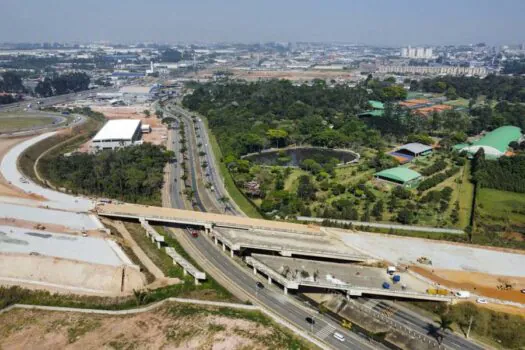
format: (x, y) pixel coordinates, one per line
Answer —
(346, 324)
(424, 260)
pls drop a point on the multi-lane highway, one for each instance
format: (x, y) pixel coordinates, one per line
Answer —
(50, 101)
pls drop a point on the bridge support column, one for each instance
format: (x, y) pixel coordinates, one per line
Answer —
(223, 247)
(184, 272)
(285, 290)
(215, 239)
(254, 270)
(231, 253)
(269, 280)
(158, 245)
(196, 281)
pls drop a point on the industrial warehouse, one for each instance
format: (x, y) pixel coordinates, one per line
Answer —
(117, 133)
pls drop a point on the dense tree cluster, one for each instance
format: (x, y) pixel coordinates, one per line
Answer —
(62, 84)
(248, 117)
(434, 168)
(516, 67)
(436, 179)
(11, 82)
(494, 87)
(132, 174)
(506, 173)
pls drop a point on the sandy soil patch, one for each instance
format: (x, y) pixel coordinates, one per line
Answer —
(68, 276)
(476, 282)
(171, 327)
(46, 227)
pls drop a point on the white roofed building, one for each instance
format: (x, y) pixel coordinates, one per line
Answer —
(117, 133)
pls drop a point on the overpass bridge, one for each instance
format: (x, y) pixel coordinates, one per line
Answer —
(238, 233)
(358, 287)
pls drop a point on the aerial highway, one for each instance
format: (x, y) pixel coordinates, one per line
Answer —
(54, 100)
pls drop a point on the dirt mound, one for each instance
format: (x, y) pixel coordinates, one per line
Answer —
(176, 326)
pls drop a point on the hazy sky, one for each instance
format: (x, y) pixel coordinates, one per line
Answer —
(382, 22)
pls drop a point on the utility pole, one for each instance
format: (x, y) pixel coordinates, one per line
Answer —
(470, 325)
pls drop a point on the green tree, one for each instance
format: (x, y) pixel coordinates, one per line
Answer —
(277, 135)
(306, 189)
(378, 209)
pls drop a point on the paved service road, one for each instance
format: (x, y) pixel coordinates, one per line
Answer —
(57, 200)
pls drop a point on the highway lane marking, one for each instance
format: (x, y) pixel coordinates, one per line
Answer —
(325, 332)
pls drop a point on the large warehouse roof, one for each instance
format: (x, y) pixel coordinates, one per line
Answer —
(496, 142)
(118, 129)
(416, 147)
(399, 174)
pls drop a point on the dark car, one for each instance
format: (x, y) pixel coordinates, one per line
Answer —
(260, 285)
(310, 320)
(523, 291)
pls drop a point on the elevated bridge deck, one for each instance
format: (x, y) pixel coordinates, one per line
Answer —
(236, 233)
(189, 217)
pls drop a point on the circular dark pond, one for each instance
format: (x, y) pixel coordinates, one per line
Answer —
(294, 156)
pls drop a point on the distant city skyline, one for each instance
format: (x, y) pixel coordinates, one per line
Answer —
(374, 22)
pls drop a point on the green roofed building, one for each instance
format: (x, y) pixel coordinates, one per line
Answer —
(376, 104)
(400, 176)
(494, 143)
(377, 111)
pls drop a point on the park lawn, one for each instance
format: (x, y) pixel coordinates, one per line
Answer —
(460, 102)
(291, 182)
(15, 123)
(465, 196)
(499, 205)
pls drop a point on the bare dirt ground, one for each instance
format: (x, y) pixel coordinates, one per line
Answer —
(175, 326)
(294, 75)
(159, 131)
(480, 284)
(7, 189)
(64, 275)
(57, 228)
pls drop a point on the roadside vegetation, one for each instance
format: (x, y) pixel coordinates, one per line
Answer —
(59, 143)
(497, 328)
(175, 326)
(208, 289)
(133, 174)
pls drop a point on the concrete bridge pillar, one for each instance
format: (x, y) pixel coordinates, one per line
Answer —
(158, 245)
(254, 270)
(285, 290)
(231, 253)
(223, 247)
(215, 239)
(196, 281)
(269, 280)
(184, 272)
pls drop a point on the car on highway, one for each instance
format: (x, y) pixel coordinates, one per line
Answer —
(310, 320)
(482, 301)
(523, 290)
(259, 285)
(339, 336)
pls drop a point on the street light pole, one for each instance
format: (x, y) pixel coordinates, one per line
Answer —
(470, 325)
